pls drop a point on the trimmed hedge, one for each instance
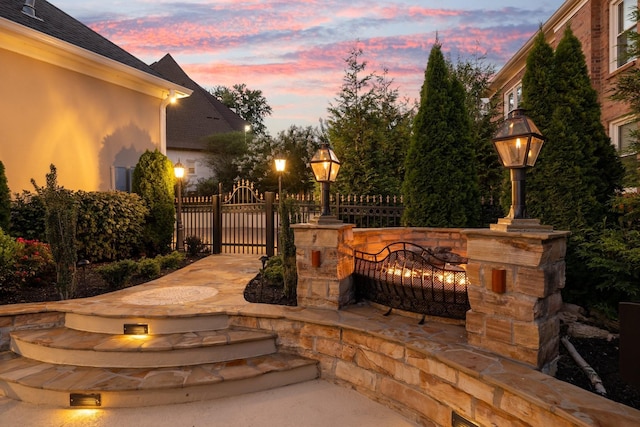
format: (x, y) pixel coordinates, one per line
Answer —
(110, 225)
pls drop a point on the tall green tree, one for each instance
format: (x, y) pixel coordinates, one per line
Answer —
(475, 75)
(441, 186)
(5, 200)
(153, 181)
(578, 170)
(368, 127)
(224, 154)
(249, 104)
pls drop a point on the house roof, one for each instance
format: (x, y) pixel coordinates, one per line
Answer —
(192, 119)
(76, 44)
(518, 61)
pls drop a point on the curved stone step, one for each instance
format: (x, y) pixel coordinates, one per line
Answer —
(65, 346)
(48, 384)
(104, 324)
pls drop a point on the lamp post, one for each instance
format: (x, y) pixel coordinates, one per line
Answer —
(247, 128)
(518, 143)
(325, 166)
(281, 164)
(178, 170)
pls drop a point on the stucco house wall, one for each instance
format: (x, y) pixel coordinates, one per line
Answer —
(87, 112)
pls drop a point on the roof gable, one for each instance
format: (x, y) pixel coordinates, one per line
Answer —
(192, 119)
(55, 23)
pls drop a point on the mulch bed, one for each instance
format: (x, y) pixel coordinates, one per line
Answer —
(603, 356)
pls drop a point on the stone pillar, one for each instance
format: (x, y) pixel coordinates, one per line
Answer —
(520, 320)
(324, 259)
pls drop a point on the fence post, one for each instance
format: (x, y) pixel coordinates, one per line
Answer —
(269, 223)
(217, 224)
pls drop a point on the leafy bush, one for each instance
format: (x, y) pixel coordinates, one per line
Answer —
(171, 261)
(611, 255)
(273, 271)
(34, 265)
(110, 225)
(195, 246)
(8, 254)
(149, 268)
(61, 214)
(153, 180)
(118, 274)
(27, 217)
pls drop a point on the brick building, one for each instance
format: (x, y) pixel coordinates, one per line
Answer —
(600, 27)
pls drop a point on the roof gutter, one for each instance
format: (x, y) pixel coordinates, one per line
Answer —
(518, 61)
(42, 47)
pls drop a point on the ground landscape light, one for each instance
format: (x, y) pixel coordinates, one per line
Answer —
(518, 143)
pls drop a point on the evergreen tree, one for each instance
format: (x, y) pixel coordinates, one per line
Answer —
(440, 187)
(368, 127)
(153, 181)
(578, 170)
(537, 83)
(475, 75)
(5, 200)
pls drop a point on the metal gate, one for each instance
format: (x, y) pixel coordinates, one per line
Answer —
(241, 221)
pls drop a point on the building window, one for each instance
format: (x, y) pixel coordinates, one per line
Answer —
(121, 178)
(191, 167)
(621, 23)
(621, 136)
(513, 99)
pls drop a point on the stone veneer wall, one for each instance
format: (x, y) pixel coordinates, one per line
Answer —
(373, 240)
(426, 380)
(30, 319)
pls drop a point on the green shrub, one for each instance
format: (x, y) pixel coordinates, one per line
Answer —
(34, 265)
(27, 217)
(5, 200)
(610, 256)
(153, 180)
(8, 253)
(171, 261)
(61, 214)
(149, 268)
(118, 274)
(273, 271)
(110, 225)
(195, 246)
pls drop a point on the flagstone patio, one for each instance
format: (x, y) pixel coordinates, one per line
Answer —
(424, 372)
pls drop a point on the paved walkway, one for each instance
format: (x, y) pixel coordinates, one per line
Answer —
(210, 285)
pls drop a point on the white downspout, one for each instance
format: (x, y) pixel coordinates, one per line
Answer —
(163, 120)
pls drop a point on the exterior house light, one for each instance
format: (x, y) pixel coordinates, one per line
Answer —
(325, 166)
(518, 143)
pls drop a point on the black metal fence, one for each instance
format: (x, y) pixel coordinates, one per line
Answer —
(246, 221)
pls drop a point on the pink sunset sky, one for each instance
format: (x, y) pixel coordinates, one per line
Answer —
(294, 50)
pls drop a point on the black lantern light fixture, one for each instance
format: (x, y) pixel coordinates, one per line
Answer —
(178, 170)
(518, 143)
(325, 166)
